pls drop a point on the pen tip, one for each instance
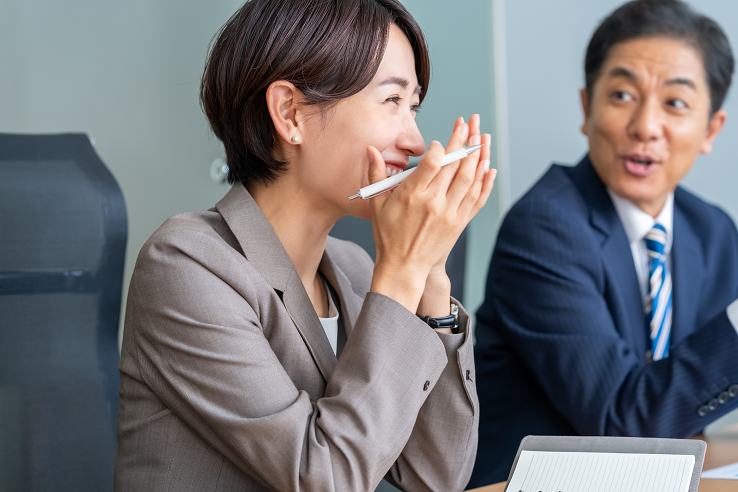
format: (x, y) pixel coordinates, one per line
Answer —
(352, 197)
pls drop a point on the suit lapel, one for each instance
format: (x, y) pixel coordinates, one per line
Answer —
(265, 252)
(617, 257)
(350, 301)
(686, 275)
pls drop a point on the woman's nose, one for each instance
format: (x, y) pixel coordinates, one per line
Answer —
(410, 140)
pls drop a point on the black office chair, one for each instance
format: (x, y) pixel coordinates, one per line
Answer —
(63, 230)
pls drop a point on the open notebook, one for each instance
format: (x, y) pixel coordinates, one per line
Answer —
(607, 464)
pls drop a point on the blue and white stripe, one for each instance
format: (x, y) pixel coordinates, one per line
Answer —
(660, 308)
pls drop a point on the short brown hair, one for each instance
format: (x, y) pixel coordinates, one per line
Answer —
(329, 49)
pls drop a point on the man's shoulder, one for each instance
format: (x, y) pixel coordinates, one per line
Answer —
(710, 223)
(698, 210)
(555, 196)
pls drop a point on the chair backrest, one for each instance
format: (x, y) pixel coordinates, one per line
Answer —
(360, 231)
(63, 230)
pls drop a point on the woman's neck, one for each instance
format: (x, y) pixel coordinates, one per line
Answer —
(302, 227)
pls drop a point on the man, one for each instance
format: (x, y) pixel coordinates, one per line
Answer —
(609, 306)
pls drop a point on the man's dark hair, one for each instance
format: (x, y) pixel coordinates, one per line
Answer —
(664, 18)
(329, 49)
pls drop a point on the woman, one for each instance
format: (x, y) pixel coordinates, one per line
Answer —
(230, 375)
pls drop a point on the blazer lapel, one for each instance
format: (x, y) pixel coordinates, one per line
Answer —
(686, 274)
(350, 301)
(265, 252)
(630, 320)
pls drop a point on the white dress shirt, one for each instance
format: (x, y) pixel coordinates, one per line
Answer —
(637, 224)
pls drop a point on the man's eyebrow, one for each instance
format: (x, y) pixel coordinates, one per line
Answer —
(623, 72)
(682, 81)
(402, 82)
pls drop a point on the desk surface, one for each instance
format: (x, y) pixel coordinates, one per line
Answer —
(722, 449)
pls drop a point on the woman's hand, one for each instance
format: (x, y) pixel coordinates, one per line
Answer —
(417, 225)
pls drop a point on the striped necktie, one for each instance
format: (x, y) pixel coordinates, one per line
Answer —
(659, 309)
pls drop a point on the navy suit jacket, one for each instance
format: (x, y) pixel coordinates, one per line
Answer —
(562, 338)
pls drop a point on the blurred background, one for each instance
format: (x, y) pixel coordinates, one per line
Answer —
(127, 73)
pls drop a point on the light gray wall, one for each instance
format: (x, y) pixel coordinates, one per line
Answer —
(126, 73)
(546, 42)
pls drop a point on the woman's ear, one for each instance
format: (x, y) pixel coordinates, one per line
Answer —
(283, 99)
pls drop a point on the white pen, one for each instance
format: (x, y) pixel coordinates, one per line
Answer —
(390, 183)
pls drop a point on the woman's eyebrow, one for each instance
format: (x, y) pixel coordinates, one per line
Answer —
(402, 82)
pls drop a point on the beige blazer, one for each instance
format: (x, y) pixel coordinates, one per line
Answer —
(229, 383)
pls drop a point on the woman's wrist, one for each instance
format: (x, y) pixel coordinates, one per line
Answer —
(436, 299)
(400, 284)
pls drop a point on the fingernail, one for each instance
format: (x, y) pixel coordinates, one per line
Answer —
(462, 120)
(485, 165)
(494, 173)
(465, 130)
(475, 140)
(370, 155)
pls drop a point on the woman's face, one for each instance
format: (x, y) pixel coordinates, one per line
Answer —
(332, 162)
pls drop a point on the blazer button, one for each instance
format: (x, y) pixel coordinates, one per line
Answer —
(426, 386)
(724, 397)
(713, 404)
(703, 411)
(733, 391)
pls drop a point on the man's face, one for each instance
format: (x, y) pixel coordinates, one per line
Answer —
(649, 118)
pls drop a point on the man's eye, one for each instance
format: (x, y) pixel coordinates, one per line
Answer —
(677, 103)
(622, 96)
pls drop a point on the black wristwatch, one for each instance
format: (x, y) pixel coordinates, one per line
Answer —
(450, 321)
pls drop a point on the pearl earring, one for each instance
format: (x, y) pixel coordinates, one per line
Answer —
(295, 139)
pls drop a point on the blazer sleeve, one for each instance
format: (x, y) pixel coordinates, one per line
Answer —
(202, 351)
(546, 292)
(440, 452)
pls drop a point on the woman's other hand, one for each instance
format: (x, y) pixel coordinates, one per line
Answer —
(417, 225)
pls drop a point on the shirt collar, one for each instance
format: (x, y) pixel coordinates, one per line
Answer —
(638, 223)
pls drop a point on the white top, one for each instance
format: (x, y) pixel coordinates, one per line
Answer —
(637, 223)
(330, 324)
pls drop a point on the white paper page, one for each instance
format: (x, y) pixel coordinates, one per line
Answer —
(728, 472)
(542, 471)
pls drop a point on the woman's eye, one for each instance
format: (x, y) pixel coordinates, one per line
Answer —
(622, 96)
(415, 108)
(393, 99)
(677, 103)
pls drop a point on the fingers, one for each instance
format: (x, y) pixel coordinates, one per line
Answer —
(427, 169)
(467, 175)
(479, 192)
(460, 134)
(377, 172)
